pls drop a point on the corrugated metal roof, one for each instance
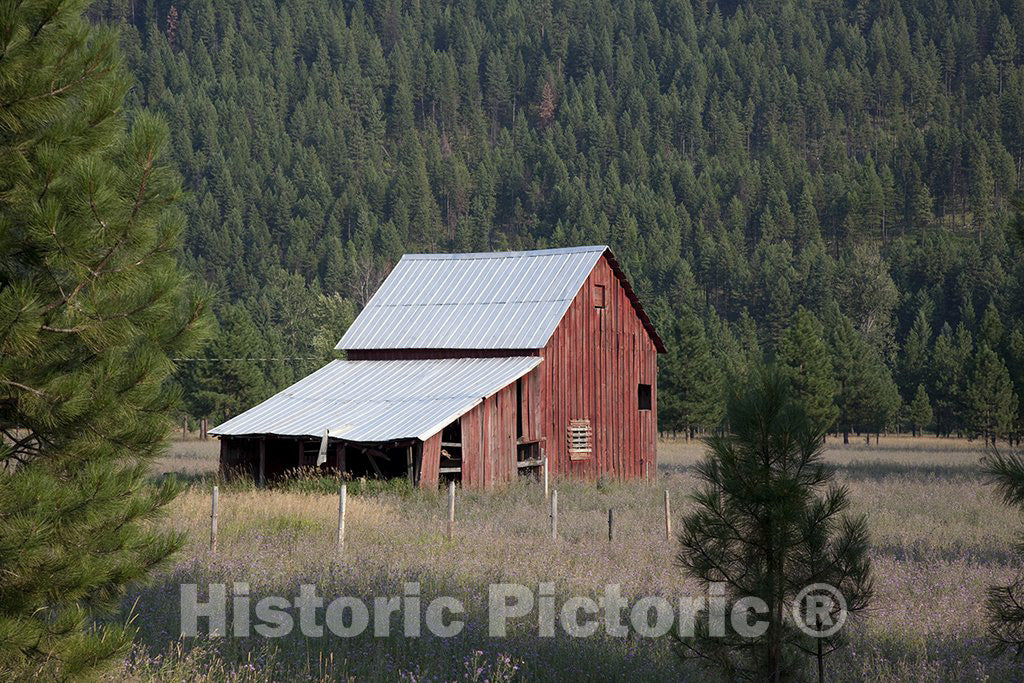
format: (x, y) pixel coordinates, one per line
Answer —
(379, 400)
(497, 300)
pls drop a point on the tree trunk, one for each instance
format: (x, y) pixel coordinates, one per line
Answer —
(821, 657)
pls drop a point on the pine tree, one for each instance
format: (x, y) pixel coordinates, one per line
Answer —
(883, 410)
(920, 415)
(693, 382)
(768, 521)
(803, 358)
(1015, 364)
(230, 374)
(991, 403)
(1004, 604)
(1005, 48)
(851, 362)
(914, 361)
(950, 367)
(991, 327)
(92, 308)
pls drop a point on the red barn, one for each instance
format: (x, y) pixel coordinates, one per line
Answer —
(474, 367)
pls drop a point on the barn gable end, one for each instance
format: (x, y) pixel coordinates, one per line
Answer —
(600, 354)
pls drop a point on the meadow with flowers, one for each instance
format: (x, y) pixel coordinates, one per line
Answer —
(940, 537)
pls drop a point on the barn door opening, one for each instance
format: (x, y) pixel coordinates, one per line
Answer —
(450, 468)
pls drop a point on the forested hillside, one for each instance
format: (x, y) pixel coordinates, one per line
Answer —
(824, 182)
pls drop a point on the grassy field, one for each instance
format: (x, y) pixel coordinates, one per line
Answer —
(939, 538)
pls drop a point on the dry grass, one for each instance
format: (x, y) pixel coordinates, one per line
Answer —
(939, 538)
(189, 458)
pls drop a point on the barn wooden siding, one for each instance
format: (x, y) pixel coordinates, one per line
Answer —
(489, 442)
(430, 462)
(592, 367)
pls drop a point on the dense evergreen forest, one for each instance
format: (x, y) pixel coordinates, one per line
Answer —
(826, 183)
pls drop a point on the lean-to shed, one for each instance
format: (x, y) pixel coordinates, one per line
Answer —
(474, 367)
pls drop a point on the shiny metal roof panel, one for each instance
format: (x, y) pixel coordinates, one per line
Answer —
(380, 400)
(495, 300)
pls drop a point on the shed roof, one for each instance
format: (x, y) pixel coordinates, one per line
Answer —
(380, 400)
(495, 300)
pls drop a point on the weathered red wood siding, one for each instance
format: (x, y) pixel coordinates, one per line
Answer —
(533, 406)
(488, 440)
(592, 367)
(489, 443)
(430, 462)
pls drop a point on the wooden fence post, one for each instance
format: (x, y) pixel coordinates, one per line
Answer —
(342, 500)
(451, 510)
(213, 521)
(611, 526)
(668, 517)
(546, 494)
(554, 515)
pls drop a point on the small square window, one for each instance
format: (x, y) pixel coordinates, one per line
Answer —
(598, 296)
(643, 396)
(580, 438)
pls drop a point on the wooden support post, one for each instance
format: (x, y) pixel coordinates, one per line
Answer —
(222, 469)
(342, 500)
(668, 517)
(262, 474)
(184, 428)
(611, 525)
(451, 510)
(202, 429)
(408, 465)
(213, 521)
(373, 461)
(554, 515)
(546, 494)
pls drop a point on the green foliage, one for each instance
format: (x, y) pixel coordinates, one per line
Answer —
(867, 398)
(915, 360)
(991, 402)
(761, 156)
(768, 521)
(691, 381)
(1004, 604)
(920, 415)
(804, 360)
(991, 327)
(92, 309)
(950, 370)
(313, 481)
